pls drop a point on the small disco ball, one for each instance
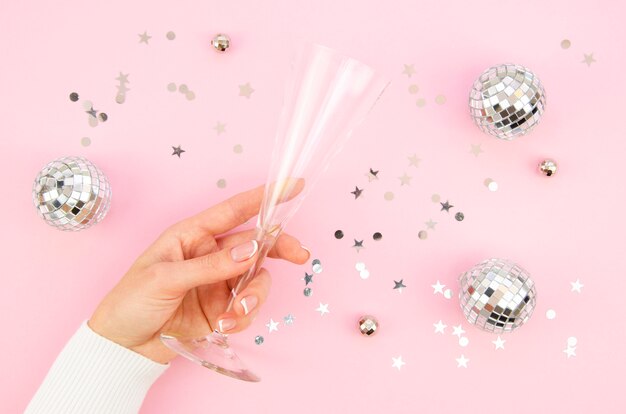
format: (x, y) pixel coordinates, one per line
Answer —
(507, 101)
(71, 194)
(497, 295)
(221, 42)
(368, 325)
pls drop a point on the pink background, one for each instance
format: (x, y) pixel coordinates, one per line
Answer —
(561, 229)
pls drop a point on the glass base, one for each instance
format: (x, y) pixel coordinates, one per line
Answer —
(211, 351)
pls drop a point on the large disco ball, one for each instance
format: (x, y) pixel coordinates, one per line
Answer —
(497, 295)
(507, 101)
(71, 194)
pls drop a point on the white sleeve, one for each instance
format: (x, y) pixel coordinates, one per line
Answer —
(95, 375)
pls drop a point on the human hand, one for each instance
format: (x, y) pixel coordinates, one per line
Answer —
(182, 282)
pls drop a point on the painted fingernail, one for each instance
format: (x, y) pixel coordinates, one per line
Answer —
(244, 251)
(226, 324)
(248, 303)
(308, 251)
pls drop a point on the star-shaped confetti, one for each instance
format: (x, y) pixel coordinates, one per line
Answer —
(92, 112)
(289, 319)
(358, 245)
(122, 78)
(219, 128)
(409, 70)
(246, 90)
(458, 330)
(446, 206)
(322, 309)
(570, 351)
(357, 192)
(462, 361)
(398, 362)
(143, 38)
(272, 325)
(414, 161)
(405, 179)
(308, 278)
(399, 285)
(431, 224)
(588, 59)
(177, 151)
(440, 327)
(438, 288)
(576, 286)
(499, 343)
(372, 175)
(476, 149)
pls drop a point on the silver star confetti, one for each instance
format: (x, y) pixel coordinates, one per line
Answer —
(458, 330)
(308, 278)
(409, 70)
(397, 362)
(372, 175)
(476, 149)
(143, 38)
(289, 319)
(405, 180)
(438, 288)
(414, 161)
(322, 309)
(272, 326)
(177, 151)
(462, 361)
(440, 327)
(246, 90)
(357, 192)
(431, 224)
(358, 245)
(499, 343)
(588, 60)
(446, 206)
(577, 286)
(399, 285)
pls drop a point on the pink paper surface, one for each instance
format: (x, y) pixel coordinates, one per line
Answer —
(560, 229)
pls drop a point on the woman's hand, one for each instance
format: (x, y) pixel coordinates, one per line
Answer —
(182, 282)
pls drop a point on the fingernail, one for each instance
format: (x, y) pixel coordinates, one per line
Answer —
(248, 303)
(308, 251)
(244, 251)
(226, 324)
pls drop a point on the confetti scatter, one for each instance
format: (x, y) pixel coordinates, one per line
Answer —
(85, 141)
(399, 285)
(458, 330)
(409, 70)
(440, 327)
(316, 265)
(565, 44)
(307, 278)
(550, 314)
(365, 274)
(459, 216)
(289, 319)
(405, 179)
(447, 293)
(170, 35)
(238, 149)
(358, 245)
(102, 117)
(397, 362)
(414, 161)
(221, 183)
(499, 343)
(577, 286)
(377, 236)
(172, 87)
(389, 196)
(421, 102)
(258, 339)
(322, 309)
(339, 234)
(177, 151)
(446, 206)
(307, 292)
(423, 235)
(73, 97)
(462, 361)
(588, 59)
(570, 351)
(463, 341)
(246, 90)
(272, 325)
(122, 87)
(357, 192)
(430, 224)
(440, 100)
(438, 287)
(491, 184)
(413, 89)
(144, 37)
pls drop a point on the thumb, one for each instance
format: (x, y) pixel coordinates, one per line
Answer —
(214, 267)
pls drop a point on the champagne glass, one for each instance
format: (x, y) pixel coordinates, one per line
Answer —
(327, 95)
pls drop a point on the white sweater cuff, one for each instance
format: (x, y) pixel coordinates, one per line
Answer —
(95, 375)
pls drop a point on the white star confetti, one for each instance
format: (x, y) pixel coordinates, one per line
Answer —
(272, 326)
(246, 90)
(570, 351)
(438, 288)
(409, 70)
(462, 361)
(499, 343)
(322, 309)
(397, 362)
(289, 319)
(458, 330)
(440, 327)
(463, 341)
(576, 286)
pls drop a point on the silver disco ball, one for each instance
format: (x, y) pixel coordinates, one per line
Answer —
(71, 194)
(507, 101)
(497, 295)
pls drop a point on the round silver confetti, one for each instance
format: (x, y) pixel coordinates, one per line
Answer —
(491, 184)
(221, 183)
(93, 122)
(258, 339)
(102, 117)
(71, 194)
(423, 234)
(220, 42)
(171, 87)
(238, 149)
(359, 266)
(73, 97)
(548, 167)
(550, 314)
(339, 234)
(120, 98)
(447, 293)
(572, 341)
(389, 196)
(317, 266)
(565, 44)
(183, 88)
(497, 295)
(170, 35)
(377, 236)
(368, 325)
(85, 141)
(307, 292)
(459, 216)
(365, 274)
(507, 101)
(190, 95)
(463, 341)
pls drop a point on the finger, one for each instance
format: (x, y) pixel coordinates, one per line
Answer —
(178, 277)
(239, 208)
(246, 304)
(286, 247)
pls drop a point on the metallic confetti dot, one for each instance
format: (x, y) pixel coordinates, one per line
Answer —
(93, 122)
(317, 266)
(221, 183)
(85, 141)
(73, 96)
(435, 198)
(377, 236)
(368, 325)
(440, 100)
(102, 117)
(491, 184)
(307, 292)
(220, 42)
(389, 196)
(258, 339)
(238, 149)
(339, 234)
(459, 216)
(171, 87)
(183, 88)
(413, 89)
(120, 98)
(87, 105)
(364, 274)
(548, 167)
(170, 35)
(359, 266)
(572, 341)
(463, 341)
(423, 234)
(190, 95)
(550, 314)
(447, 293)
(565, 44)
(421, 102)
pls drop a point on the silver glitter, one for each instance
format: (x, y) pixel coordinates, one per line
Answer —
(190, 95)
(423, 234)
(507, 101)
(85, 141)
(120, 98)
(459, 216)
(550, 314)
(389, 196)
(73, 97)
(377, 236)
(258, 339)
(102, 117)
(221, 183)
(183, 88)
(497, 295)
(171, 87)
(307, 291)
(71, 193)
(317, 266)
(238, 149)
(548, 167)
(339, 234)
(221, 42)
(565, 44)
(368, 325)
(170, 35)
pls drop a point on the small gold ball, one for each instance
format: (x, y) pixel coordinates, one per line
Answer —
(548, 167)
(221, 42)
(368, 325)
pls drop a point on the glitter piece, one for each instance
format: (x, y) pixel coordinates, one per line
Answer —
(102, 117)
(85, 141)
(423, 234)
(491, 184)
(372, 175)
(358, 245)
(221, 183)
(399, 285)
(446, 206)
(572, 341)
(357, 192)
(170, 35)
(413, 89)
(221, 42)
(364, 274)
(177, 151)
(447, 293)
(389, 195)
(92, 121)
(339, 234)
(73, 97)
(548, 167)
(120, 98)
(289, 319)
(377, 236)
(238, 149)
(565, 44)
(171, 87)
(459, 216)
(435, 198)
(440, 100)
(550, 314)
(317, 266)
(368, 325)
(307, 278)
(421, 102)
(307, 292)
(359, 266)
(463, 341)
(144, 37)
(183, 88)
(190, 95)
(258, 339)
